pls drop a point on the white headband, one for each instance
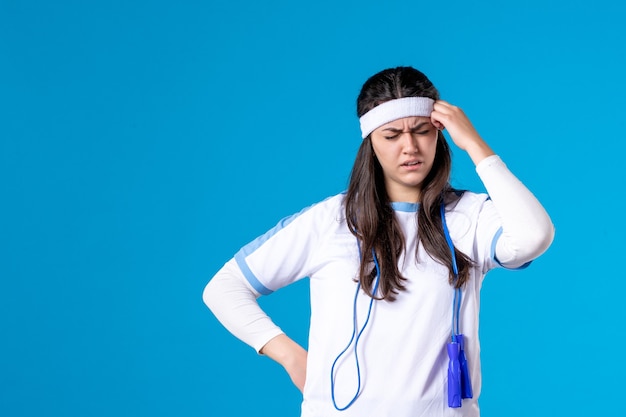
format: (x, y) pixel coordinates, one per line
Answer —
(393, 110)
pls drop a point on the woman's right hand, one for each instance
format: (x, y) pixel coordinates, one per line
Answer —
(290, 356)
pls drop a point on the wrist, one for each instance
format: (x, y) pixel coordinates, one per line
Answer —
(283, 350)
(478, 151)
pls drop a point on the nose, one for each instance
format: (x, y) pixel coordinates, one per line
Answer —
(409, 143)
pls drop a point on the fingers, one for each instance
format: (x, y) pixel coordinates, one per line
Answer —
(444, 113)
(438, 117)
(436, 123)
(442, 103)
(444, 108)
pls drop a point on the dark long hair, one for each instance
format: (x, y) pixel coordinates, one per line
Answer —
(369, 214)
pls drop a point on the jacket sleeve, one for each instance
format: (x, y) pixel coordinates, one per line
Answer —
(527, 230)
(234, 302)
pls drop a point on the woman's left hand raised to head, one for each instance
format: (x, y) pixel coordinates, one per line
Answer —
(460, 129)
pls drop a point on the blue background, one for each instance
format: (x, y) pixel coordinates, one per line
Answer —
(142, 143)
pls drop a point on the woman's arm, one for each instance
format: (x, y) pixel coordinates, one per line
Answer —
(234, 303)
(290, 355)
(527, 230)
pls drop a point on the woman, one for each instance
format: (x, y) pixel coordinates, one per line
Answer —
(395, 264)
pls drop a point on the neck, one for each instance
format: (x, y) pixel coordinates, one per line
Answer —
(404, 195)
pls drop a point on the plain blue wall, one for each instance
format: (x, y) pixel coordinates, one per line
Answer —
(143, 142)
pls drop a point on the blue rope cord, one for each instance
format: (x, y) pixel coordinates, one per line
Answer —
(456, 304)
(356, 342)
(456, 313)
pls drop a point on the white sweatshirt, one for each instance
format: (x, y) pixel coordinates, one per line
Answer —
(509, 228)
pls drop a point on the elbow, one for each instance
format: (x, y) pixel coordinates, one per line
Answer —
(209, 295)
(536, 241)
(214, 290)
(540, 237)
(227, 284)
(525, 245)
(548, 238)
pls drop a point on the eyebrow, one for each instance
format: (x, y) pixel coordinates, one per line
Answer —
(412, 129)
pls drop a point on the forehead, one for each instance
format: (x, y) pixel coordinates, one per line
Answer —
(406, 122)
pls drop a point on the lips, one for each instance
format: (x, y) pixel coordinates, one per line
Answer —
(411, 163)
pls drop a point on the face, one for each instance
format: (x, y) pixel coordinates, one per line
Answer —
(405, 148)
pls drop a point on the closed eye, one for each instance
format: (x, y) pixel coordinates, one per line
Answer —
(413, 132)
(422, 129)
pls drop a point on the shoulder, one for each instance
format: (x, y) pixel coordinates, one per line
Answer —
(466, 202)
(464, 211)
(333, 203)
(329, 210)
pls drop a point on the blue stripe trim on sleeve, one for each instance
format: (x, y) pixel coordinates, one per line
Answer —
(248, 249)
(493, 245)
(495, 258)
(240, 258)
(259, 241)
